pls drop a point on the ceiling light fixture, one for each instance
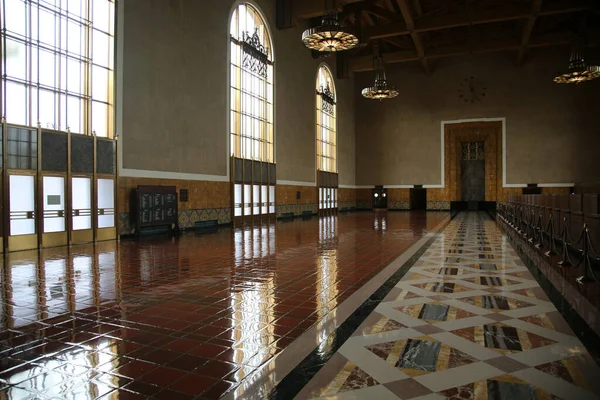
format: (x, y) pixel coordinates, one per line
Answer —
(578, 71)
(330, 36)
(380, 89)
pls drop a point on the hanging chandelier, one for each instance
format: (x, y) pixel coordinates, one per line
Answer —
(330, 36)
(578, 71)
(380, 89)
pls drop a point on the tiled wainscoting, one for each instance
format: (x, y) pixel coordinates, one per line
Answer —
(438, 205)
(297, 209)
(187, 218)
(398, 205)
(346, 204)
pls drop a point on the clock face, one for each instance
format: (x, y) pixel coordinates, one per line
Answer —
(471, 90)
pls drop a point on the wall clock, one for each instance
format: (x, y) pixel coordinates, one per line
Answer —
(471, 90)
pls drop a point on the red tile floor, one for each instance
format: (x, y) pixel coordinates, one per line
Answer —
(182, 318)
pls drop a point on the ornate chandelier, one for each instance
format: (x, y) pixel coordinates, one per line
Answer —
(578, 71)
(330, 36)
(380, 89)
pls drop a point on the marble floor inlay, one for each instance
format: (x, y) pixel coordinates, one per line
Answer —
(467, 321)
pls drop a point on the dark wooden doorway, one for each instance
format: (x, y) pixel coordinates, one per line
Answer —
(418, 199)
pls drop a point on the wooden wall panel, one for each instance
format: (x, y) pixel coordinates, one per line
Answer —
(346, 195)
(286, 194)
(398, 195)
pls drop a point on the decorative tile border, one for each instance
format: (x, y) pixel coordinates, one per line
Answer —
(296, 209)
(346, 204)
(438, 205)
(187, 218)
(364, 205)
(399, 205)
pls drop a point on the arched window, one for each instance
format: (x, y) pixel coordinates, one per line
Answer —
(326, 122)
(60, 56)
(251, 120)
(327, 178)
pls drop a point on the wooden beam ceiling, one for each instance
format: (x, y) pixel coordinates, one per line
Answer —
(410, 25)
(364, 63)
(434, 23)
(536, 7)
(314, 8)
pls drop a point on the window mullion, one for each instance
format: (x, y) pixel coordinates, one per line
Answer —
(87, 70)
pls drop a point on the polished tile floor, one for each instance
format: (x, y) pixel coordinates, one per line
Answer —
(188, 318)
(468, 321)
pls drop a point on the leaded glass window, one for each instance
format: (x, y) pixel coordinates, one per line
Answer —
(58, 63)
(326, 122)
(251, 86)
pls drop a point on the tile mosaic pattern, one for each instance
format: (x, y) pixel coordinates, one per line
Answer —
(297, 209)
(445, 332)
(189, 317)
(398, 205)
(346, 204)
(438, 205)
(364, 205)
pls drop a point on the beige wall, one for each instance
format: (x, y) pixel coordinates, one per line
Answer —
(175, 110)
(552, 130)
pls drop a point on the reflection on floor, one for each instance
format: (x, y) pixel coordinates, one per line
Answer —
(468, 321)
(182, 318)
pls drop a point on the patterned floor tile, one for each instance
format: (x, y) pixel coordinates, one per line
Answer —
(468, 297)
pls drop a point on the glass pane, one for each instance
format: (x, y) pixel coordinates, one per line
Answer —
(17, 106)
(74, 112)
(271, 199)
(247, 199)
(256, 199)
(101, 49)
(100, 15)
(54, 201)
(237, 200)
(16, 22)
(22, 205)
(74, 38)
(47, 111)
(100, 84)
(47, 23)
(75, 7)
(99, 119)
(106, 203)
(81, 203)
(74, 76)
(15, 59)
(264, 199)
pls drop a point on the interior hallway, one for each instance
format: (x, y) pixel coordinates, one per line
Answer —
(467, 321)
(187, 317)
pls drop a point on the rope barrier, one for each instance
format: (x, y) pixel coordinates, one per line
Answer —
(532, 230)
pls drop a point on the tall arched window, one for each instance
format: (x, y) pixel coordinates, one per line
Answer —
(252, 137)
(327, 178)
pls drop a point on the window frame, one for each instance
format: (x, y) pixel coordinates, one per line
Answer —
(324, 97)
(44, 82)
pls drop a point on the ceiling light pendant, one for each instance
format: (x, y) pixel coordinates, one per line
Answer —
(330, 36)
(380, 89)
(578, 71)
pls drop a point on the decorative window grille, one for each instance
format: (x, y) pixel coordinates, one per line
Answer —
(251, 86)
(473, 151)
(326, 122)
